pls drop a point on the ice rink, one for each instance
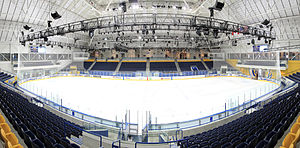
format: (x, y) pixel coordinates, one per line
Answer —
(168, 101)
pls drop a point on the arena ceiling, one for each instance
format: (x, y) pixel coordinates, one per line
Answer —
(284, 14)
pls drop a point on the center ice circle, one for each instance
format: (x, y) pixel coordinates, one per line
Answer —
(168, 101)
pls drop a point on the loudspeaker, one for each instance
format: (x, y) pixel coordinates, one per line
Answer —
(219, 6)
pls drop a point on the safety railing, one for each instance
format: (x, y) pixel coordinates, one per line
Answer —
(161, 144)
(83, 130)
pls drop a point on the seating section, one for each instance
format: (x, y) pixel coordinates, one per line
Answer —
(209, 64)
(10, 139)
(133, 66)
(260, 129)
(163, 66)
(38, 127)
(186, 66)
(293, 137)
(295, 77)
(4, 76)
(103, 66)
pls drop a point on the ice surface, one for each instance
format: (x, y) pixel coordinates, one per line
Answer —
(168, 101)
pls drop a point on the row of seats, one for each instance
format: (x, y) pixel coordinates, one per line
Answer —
(295, 77)
(4, 76)
(186, 66)
(293, 137)
(141, 66)
(37, 126)
(10, 139)
(163, 66)
(103, 66)
(133, 66)
(260, 129)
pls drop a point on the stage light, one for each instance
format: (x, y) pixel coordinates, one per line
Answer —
(198, 31)
(215, 33)
(55, 15)
(206, 31)
(26, 27)
(49, 23)
(123, 6)
(91, 33)
(265, 22)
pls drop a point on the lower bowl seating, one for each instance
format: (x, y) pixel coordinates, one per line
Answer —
(35, 124)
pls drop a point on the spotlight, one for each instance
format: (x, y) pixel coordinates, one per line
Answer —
(26, 27)
(76, 39)
(234, 43)
(206, 31)
(91, 33)
(55, 15)
(271, 28)
(49, 24)
(211, 10)
(265, 22)
(123, 6)
(215, 33)
(198, 31)
(253, 41)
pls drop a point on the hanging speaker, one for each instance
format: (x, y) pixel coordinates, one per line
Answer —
(55, 15)
(219, 6)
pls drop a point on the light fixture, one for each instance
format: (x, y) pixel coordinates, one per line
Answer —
(123, 6)
(55, 15)
(265, 22)
(26, 27)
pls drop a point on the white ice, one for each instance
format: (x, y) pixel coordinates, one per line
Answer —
(168, 101)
